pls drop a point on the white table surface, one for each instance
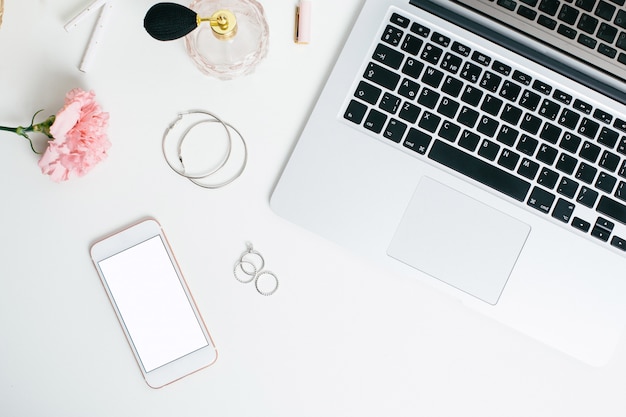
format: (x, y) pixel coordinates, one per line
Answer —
(339, 338)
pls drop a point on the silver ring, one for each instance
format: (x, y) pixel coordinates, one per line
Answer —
(256, 283)
(251, 276)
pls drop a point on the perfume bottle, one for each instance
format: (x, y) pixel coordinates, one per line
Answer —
(235, 41)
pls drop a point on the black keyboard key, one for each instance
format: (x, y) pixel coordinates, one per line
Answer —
(530, 100)
(549, 7)
(490, 81)
(468, 116)
(521, 77)
(582, 106)
(528, 169)
(452, 86)
(567, 187)
(448, 107)
(501, 67)
(510, 90)
(581, 224)
(429, 121)
(395, 130)
(412, 44)
(412, 67)
(531, 123)
(417, 141)
(587, 197)
(547, 178)
(569, 118)
(563, 210)
(550, 133)
(621, 41)
(527, 12)
(607, 33)
(508, 159)
(622, 58)
(431, 53)
(527, 145)
(471, 72)
(511, 114)
(620, 124)
(568, 14)
(381, 76)
(400, 20)
(479, 170)
(620, 192)
(612, 208)
(440, 39)
(566, 163)
(469, 140)
(587, 41)
(375, 121)
(541, 200)
(428, 98)
(481, 58)
(355, 112)
(620, 19)
(392, 35)
(451, 63)
(547, 154)
(408, 89)
(545, 21)
(409, 112)
(605, 182)
(420, 30)
(607, 50)
(472, 95)
(507, 4)
(609, 161)
(488, 149)
(390, 103)
(621, 146)
(602, 116)
(432, 77)
(388, 56)
(449, 131)
(487, 126)
(589, 128)
(586, 173)
(590, 151)
(562, 96)
(618, 242)
(587, 23)
(567, 31)
(542, 87)
(586, 4)
(491, 105)
(461, 49)
(549, 109)
(507, 135)
(600, 233)
(367, 92)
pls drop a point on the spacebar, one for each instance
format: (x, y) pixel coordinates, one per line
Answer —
(479, 170)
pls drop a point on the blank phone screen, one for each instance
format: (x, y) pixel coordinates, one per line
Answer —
(153, 304)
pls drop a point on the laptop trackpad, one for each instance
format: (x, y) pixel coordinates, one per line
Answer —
(458, 240)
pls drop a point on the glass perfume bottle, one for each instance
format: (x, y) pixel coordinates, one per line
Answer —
(235, 41)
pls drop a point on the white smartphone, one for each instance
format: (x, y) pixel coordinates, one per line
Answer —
(153, 304)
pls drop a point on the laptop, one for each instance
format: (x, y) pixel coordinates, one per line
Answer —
(456, 144)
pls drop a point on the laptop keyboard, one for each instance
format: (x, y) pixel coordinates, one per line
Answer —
(442, 99)
(594, 30)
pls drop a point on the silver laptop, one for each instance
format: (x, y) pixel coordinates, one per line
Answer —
(449, 147)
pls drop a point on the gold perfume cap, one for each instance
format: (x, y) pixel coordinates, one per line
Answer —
(223, 23)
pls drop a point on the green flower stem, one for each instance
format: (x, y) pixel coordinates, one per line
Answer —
(43, 127)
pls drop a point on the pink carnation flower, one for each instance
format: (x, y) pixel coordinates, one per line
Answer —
(79, 138)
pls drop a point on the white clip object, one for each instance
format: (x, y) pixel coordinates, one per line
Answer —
(97, 33)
